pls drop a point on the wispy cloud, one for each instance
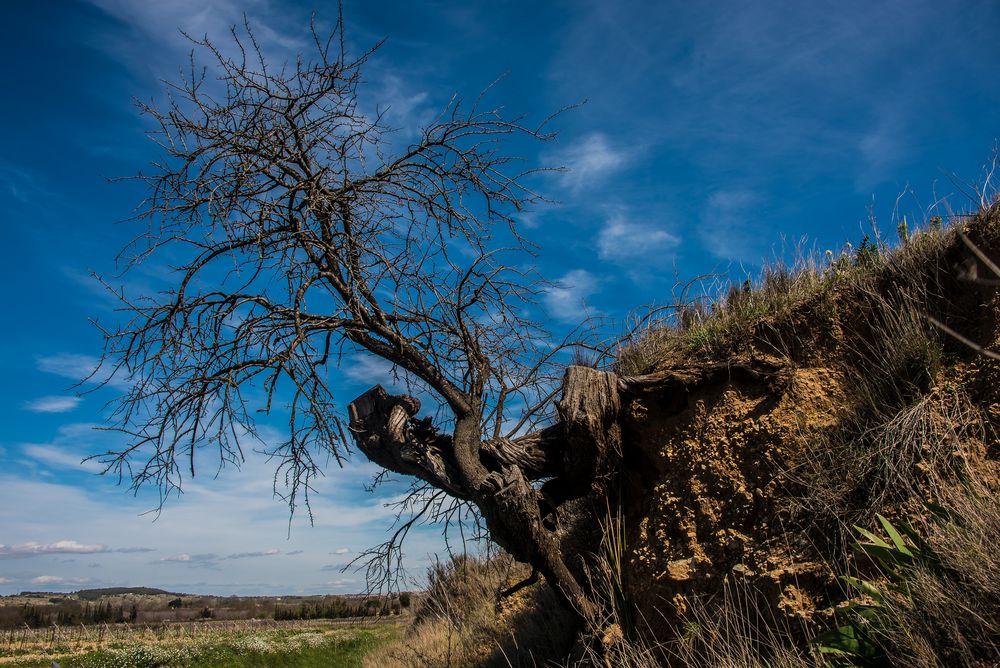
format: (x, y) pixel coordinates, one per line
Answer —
(162, 22)
(58, 580)
(23, 184)
(58, 455)
(69, 365)
(623, 241)
(36, 549)
(327, 568)
(212, 559)
(567, 299)
(401, 105)
(220, 516)
(80, 369)
(156, 41)
(52, 404)
(882, 146)
(367, 369)
(341, 582)
(588, 161)
(341, 550)
(777, 94)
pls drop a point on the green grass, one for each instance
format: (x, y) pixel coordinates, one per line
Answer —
(301, 647)
(346, 651)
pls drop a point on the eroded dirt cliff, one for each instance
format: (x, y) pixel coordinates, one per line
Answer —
(744, 486)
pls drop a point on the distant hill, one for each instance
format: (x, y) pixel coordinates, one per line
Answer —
(94, 594)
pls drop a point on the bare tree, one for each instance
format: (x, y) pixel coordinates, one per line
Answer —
(300, 233)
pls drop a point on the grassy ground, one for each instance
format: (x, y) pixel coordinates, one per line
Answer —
(249, 644)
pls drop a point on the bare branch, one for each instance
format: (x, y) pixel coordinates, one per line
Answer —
(298, 229)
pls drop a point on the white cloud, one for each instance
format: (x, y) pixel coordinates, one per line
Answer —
(588, 161)
(58, 580)
(567, 299)
(882, 147)
(155, 45)
(32, 549)
(529, 219)
(341, 550)
(626, 242)
(184, 558)
(163, 21)
(228, 515)
(341, 582)
(52, 404)
(365, 370)
(401, 106)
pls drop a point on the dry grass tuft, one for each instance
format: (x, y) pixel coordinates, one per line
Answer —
(731, 630)
(735, 631)
(730, 318)
(849, 474)
(459, 623)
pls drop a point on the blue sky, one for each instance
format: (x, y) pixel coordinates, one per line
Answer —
(714, 135)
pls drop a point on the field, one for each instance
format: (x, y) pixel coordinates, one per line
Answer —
(252, 643)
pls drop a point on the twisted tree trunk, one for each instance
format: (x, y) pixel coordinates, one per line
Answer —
(576, 454)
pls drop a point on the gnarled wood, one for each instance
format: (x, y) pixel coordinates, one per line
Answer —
(385, 431)
(538, 454)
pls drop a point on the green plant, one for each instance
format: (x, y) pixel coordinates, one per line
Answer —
(904, 232)
(867, 255)
(861, 639)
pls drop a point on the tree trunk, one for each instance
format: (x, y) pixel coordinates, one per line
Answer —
(577, 454)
